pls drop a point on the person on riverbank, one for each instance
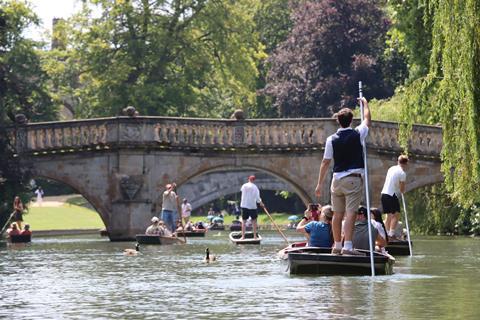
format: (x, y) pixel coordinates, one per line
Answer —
(360, 235)
(345, 148)
(169, 206)
(248, 204)
(18, 212)
(393, 187)
(186, 211)
(39, 192)
(153, 229)
(318, 233)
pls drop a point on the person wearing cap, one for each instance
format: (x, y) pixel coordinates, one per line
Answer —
(360, 236)
(393, 187)
(345, 147)
(169, 207)
(248, 204)
(186, 210)
(153, 229)
(318, 233)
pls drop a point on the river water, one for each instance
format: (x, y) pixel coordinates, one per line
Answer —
(90, 278)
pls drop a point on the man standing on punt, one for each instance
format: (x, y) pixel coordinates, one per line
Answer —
(248, 204)
(345, 148)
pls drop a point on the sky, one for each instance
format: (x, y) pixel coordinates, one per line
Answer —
(49, 9)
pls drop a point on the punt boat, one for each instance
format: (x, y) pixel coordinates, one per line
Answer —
(192, 233)
(154, 239)
(235, 238)
(320, 261)
(20, 238)
(398, 248)
(237, 226)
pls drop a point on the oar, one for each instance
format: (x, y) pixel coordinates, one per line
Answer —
(276, 226)
(367, 193)
(6, 224)
(179, 208)
(406, 223)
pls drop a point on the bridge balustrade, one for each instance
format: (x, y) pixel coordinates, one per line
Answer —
(220, 135)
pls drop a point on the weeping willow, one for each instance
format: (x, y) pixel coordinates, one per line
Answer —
(450, 94)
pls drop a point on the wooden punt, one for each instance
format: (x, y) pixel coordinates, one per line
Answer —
(193, 233)
(235, 238)
(216, 226)
(398, 248)
(152, 239)
(25, 238)
(320, 261)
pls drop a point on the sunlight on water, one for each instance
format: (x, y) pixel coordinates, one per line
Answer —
(90, 278)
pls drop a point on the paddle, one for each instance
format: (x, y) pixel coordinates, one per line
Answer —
(276, 226)
(406, 223)
(367, 193)
(6, 223)
(179, 208)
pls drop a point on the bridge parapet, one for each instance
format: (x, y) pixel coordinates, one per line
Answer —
(219, 135)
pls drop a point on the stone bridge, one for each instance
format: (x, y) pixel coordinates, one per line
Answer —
(121, 165)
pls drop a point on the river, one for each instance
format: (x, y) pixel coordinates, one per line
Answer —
(87, 277)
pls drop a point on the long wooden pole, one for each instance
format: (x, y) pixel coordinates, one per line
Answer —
(367, 193)
(408, 228)
(6, 223)
(276, 226)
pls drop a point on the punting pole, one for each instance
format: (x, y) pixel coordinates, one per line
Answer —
(276, 226)
(6, 223)
(408, 228)
(367, 193)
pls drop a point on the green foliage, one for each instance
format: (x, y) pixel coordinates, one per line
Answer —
(23, 89)
(450, 94)
(191, 58)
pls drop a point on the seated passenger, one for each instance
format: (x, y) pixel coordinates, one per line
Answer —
(189, 226)
(13, 230)
(26, 230)
(318, 233)
(377, 221)
(154, 228)
(200, 225)
(360, 233)
(164, 230)
(312, 212)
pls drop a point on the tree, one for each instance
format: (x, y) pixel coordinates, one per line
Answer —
(195, 58)
(23, 89)
(450, 94)
(333, 45)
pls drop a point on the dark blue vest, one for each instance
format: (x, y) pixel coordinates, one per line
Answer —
(347, 151)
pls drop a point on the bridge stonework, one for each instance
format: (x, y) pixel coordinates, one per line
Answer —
(121, 165)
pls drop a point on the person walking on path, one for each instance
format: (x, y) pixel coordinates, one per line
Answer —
(248, 204)
(39, 193)
(186, 210)
(169, 207)
(345, 147)
(18, 212)
(393, 187)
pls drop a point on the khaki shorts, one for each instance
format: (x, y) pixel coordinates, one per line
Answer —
(347, 194)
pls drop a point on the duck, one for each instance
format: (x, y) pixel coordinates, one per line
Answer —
(208, 257)
(132, 252)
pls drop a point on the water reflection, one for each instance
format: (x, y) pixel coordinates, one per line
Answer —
(90, 278)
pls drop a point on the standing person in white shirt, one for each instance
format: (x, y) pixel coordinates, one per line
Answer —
(345, 148)
(394, 186)
(248, 204)
(186, 210)
(39, 193)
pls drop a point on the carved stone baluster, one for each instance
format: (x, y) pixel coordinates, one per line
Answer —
(32, 140)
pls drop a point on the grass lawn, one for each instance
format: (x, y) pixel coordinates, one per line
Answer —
(63, 217)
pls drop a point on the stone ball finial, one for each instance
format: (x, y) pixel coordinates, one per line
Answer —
(20, 118)
(130, 111)
(238, 114)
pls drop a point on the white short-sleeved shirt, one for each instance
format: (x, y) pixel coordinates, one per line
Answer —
(250, 196)
(186, 209)
(328, 154)
(395, 175)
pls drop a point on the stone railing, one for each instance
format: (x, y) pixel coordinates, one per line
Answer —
(220, 135)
